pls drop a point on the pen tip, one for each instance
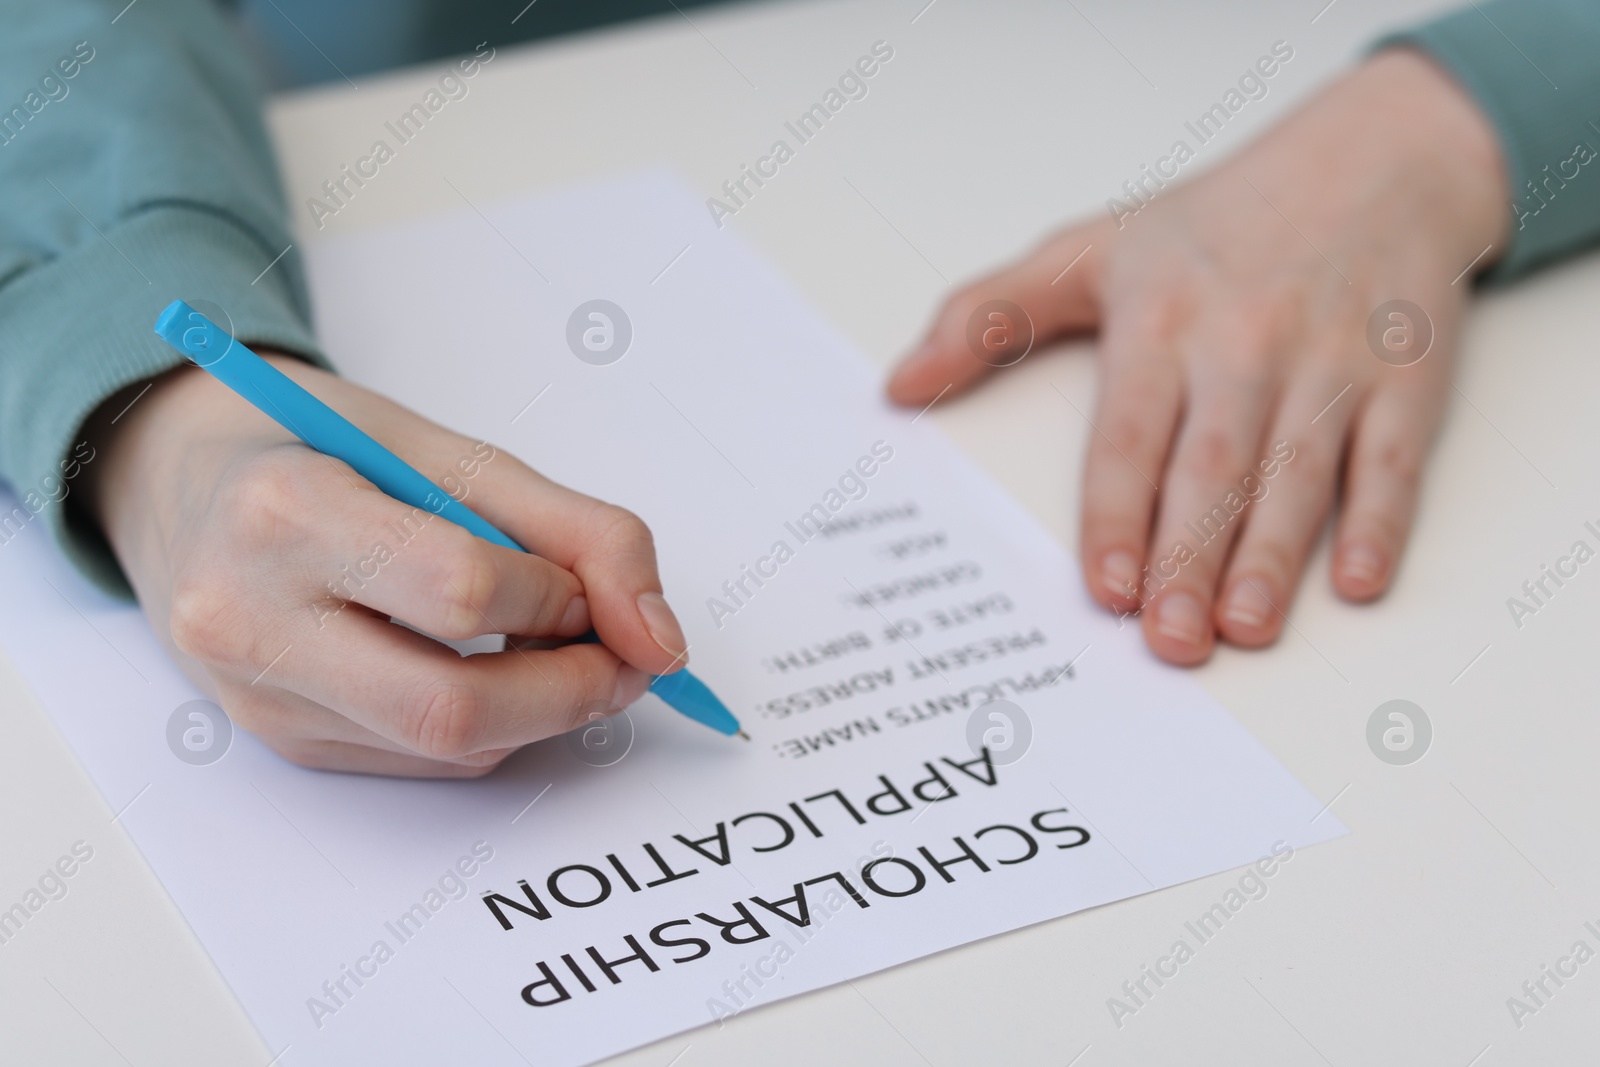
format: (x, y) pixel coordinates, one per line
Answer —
(744, 735)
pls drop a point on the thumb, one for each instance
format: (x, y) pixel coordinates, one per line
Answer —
(1056, 289)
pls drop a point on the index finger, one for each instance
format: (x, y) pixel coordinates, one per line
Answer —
(608, 548)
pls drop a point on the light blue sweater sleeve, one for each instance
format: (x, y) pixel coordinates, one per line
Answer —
(136, 169)
(1533, 66)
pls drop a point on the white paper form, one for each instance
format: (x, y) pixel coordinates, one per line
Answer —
(561, 910)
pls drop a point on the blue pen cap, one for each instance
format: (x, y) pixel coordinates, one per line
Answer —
(192, 333)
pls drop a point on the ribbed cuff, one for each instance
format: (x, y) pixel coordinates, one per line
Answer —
(76, 330)
(1530, 65)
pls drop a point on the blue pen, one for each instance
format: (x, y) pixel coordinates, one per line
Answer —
(278, 396)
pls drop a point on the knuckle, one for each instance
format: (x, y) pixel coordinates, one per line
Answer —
(444, 719)
(619, 526)
(1315, 461)
(1330, 355)
(1250, 330)
(469, 582)
(1127, 432)
(1401, 461)
(1238, 366)
(1243, 343)
(1211, 455)
(205, 622)
(1153, 320)
(267, 495)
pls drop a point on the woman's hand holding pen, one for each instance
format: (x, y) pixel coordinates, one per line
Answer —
(271, 572)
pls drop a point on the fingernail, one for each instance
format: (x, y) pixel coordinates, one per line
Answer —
(1120, 571)
(575, 620)
(663, 625)
(1248, 605)
(1182, 618)
(1363, 563)
(631, 684)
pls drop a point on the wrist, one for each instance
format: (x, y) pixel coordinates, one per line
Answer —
(1399, 144)
(159, 437)
(1424, 122)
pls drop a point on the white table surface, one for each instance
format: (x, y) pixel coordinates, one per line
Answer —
(1463, 873)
